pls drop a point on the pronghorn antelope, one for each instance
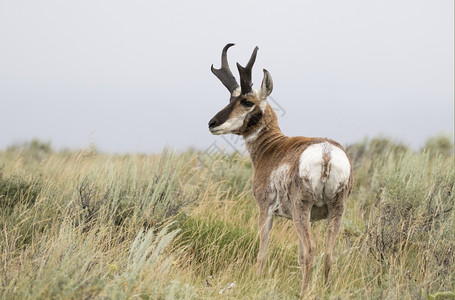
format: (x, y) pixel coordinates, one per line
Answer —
(299, 178)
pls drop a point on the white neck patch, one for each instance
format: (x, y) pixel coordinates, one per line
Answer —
(254, 135)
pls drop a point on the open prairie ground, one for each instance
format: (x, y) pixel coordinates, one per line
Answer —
(88, 225)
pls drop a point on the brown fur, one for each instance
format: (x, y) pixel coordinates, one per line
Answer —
(268, 151)
(277, 185)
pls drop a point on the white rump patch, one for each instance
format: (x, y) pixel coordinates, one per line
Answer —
(325, 170)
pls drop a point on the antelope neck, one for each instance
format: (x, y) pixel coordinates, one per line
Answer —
(267, 137)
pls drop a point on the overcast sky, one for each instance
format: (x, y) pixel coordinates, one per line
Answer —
(135, 75)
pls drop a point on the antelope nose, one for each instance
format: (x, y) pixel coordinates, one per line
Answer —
(213, 123)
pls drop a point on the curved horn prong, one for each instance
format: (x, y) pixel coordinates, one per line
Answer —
(245, 73)
(224, 74)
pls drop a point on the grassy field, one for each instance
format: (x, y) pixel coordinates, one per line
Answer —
(84, 225)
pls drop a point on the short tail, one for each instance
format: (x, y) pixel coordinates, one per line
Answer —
(325, 172)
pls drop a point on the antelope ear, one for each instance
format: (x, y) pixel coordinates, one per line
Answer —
(266, 86)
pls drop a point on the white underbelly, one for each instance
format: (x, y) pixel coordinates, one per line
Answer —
(278, 186)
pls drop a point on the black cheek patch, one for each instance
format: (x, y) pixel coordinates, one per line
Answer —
(255, 118)
(224, 114)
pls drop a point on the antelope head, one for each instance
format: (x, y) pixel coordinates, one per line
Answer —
(246, 105)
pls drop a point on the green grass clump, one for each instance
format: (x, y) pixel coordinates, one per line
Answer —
(18, 189)
(213, 245)
(87, 225)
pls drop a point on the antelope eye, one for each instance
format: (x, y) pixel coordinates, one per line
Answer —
(247, 103)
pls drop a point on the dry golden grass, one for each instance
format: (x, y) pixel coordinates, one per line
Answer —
(77, 225)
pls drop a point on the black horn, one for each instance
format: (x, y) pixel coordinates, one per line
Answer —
(224, 74)
(245, 73)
